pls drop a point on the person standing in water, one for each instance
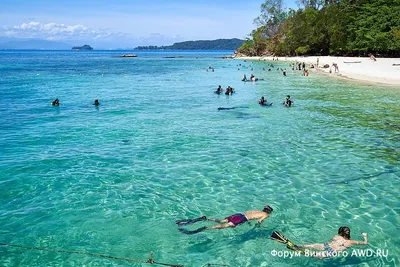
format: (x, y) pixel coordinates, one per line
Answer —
(55, 102)
(288, 102)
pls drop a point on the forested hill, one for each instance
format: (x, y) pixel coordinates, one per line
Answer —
(327, 27)
(219, 44)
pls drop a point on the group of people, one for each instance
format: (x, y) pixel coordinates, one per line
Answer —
(287, 103)
(252, 78)
(56, 102)
(302, 66)
(229, 90)
(338, 243)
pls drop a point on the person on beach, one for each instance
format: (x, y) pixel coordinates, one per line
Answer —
(288, 102)
(231, 221)
(317, 62)
(96, 102)
(335, 66)
(339, 242)
(55, 102)
(372, 57)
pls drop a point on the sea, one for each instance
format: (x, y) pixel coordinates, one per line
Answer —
(80, 181)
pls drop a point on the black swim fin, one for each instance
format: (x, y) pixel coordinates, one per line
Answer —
(282, 239)
(190, 221)
(188, 232)
(279, 237)
(294, 247)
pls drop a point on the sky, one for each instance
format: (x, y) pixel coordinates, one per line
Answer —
(124, 23)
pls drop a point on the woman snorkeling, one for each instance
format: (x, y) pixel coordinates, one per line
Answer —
(339, 242)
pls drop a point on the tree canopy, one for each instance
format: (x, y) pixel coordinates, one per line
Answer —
(326, 27)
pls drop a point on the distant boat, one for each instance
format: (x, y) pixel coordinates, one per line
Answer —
(128, 55)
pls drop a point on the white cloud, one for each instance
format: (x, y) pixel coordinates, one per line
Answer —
(98, 38)
(56, 31)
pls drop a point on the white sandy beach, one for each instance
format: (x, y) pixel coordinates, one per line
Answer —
(380, 71)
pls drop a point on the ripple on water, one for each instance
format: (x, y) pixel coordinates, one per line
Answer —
(113, 180)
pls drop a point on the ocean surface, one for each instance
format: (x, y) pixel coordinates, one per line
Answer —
(113, 179)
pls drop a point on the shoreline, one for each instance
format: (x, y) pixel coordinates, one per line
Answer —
(359, 69)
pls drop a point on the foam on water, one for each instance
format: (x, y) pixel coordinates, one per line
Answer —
(113, 179)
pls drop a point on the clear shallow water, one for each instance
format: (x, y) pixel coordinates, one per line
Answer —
(113, 179)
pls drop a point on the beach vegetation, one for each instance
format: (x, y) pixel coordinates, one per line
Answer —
(326, 27)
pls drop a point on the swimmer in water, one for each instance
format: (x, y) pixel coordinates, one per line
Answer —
(332, 248)
(288, 102)
(262, 101)
(231, 221)
(55, 102)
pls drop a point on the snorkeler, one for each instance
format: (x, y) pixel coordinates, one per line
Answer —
(288, 102)
(231, 221)
(55, 102)
(229, 90)
(263, 102)
(253, 78)
(219, 90)
(96, 102)
(339, 243)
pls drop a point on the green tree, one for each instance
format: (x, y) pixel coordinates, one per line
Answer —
(339, 27)
(375, 27)
(273, 13)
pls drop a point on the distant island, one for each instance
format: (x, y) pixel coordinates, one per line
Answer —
(219, 44)
(85, 47)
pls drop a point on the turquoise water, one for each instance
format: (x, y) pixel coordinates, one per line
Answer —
(114, 179)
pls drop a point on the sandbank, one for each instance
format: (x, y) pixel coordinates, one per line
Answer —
(383, 70)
